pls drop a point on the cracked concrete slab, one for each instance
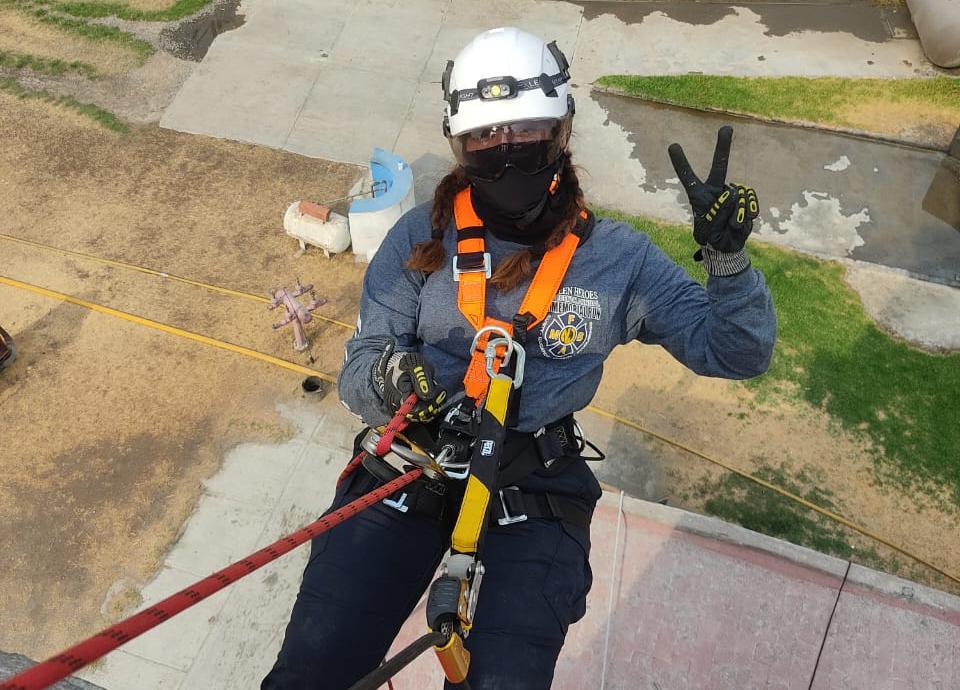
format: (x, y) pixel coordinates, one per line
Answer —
(242, 91)
(262, 492)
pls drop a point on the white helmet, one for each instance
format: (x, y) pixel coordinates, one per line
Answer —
(507, 76)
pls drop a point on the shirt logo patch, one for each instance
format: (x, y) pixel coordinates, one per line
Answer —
(564, 335)
(566, 330)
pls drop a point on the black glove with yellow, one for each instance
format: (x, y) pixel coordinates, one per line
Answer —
(723, 214)
(398, 374)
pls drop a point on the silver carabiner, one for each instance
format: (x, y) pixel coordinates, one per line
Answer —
(490, 353)
(488, 329)
(512, 350)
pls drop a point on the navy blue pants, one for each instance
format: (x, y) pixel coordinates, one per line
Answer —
(365, 577)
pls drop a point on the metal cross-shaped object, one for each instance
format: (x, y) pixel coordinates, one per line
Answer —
(297, 313)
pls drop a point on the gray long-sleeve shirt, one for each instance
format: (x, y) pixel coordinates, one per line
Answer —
(619, 287)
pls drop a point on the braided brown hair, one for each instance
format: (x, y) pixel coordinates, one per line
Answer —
(429, 256)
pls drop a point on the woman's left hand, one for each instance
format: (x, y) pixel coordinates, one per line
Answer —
(723, 214)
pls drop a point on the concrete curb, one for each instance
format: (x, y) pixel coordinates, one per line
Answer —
(908, 594)
(12, 664)
(923, 145)
(714, 528)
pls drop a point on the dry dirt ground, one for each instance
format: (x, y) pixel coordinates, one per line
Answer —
(147, 5)
(107, 427)
(24, 34)
(911, 121)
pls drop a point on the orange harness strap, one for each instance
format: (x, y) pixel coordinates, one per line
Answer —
(471, 270)
(546, 282)
(472, 277)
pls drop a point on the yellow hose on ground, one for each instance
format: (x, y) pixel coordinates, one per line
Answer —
(173, 330)
(159, 274)
(592, 408)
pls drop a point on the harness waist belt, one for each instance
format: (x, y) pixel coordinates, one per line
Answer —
(428, 498)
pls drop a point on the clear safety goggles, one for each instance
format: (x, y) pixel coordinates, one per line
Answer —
(530, 146)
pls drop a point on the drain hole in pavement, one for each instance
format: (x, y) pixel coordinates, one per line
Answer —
(312, 384)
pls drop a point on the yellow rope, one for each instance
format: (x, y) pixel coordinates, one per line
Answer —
(173, 330)
(160, 274)
(773, 487)
(312, 372)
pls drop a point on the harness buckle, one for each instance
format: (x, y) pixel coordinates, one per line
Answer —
(508, 517)
(544, 449)
(400, 505)
(484, 267)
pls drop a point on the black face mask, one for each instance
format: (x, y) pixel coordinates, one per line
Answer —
(515, 198)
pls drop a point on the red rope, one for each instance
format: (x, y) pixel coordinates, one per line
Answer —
(73, 659)
(351, 467)
(396, 425)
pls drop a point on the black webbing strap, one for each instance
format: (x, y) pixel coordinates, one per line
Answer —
(515, 505)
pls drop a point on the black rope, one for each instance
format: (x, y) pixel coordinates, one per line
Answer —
(393, 666)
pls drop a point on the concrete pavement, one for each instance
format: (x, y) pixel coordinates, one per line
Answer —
(333, 79)
(262, 492)
(678, 601)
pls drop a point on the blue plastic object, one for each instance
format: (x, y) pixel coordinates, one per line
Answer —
(388, 168)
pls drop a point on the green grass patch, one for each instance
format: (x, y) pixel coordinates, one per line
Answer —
(96, 113)
(821, 100)
(96, 9)
(832, 355)
(746, 503)
(739, 500)
(51, 66)
(97, 32)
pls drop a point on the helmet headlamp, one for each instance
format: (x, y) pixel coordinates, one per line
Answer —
(497, 88)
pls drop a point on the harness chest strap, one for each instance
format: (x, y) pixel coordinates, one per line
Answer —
(472, 269)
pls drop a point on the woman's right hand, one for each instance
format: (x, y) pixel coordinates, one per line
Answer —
(398, 374)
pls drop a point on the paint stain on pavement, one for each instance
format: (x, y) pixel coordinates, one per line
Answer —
(864, 21)
(636, 12)
(819, 225)
(839, 165)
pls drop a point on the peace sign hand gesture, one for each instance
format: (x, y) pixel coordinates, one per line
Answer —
(723, 214)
